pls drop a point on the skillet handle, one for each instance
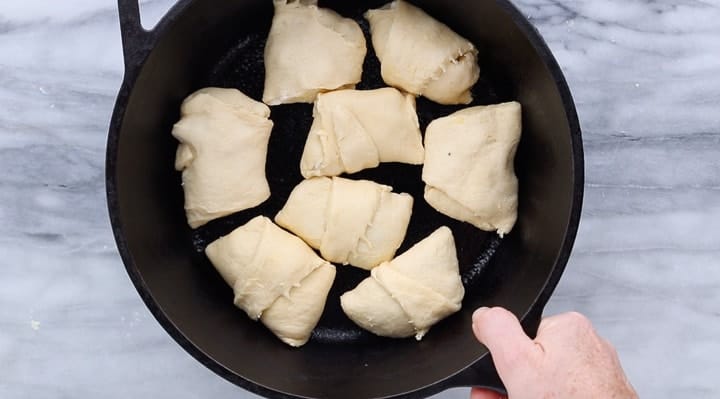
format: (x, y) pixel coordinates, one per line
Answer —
(482, 374)
(136, 41)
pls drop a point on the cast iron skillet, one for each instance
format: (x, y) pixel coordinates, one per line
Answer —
(219, 43)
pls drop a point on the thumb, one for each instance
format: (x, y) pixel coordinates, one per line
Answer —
(510, 347)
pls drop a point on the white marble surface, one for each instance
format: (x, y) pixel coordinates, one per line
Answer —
(646, 268)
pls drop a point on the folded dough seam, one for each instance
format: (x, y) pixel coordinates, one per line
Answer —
(377, 195)
(438, 74)
(217, 125)
(357, 222)
(276, 278)
(260, 261)
(310, 50)
(469, 169)
(410, 293)
(353, 130)
(422, 55)
(420, 328)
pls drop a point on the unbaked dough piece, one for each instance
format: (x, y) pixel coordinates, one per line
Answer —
(358, 129)
(421, 55)
(293, 318)
(469, 169)
(406, 296)
(355, 222)
(275, 277)
(223, 138)
(310, 50)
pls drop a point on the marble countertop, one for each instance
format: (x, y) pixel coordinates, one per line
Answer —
(646, 266)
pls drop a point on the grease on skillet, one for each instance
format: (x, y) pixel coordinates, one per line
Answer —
(242, 67)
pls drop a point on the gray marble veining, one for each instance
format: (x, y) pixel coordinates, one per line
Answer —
(646, 268)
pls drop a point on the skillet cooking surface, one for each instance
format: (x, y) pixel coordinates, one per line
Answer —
(243, 68)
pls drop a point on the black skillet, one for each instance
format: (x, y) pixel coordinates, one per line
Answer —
(220, 43)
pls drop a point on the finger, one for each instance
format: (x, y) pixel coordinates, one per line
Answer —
(566, 329)
(570, 322)
(480, 393)
(500, 331)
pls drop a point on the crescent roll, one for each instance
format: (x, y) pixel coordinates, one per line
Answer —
(469, 171)
(223, 138)
(310, 50)
(355, 222)
(275, 276)
(406, 296)
(357, 129)
(421, 55)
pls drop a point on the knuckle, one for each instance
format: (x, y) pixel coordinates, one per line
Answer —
(579, 321)
(609, 347)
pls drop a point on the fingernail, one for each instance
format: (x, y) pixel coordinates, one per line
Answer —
(478, 313)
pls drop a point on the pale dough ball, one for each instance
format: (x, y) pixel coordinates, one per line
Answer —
(357, 129)
(223, 138)
(275, 276)
(469, 165)
(310, 50)
(406, 296)
(292, 318)
(421, 55)
(356, 222)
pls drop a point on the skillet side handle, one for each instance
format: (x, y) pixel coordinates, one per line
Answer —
(531, 321)
(135, 39)
(482, 374)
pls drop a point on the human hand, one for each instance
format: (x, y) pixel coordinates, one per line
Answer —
(567, 359)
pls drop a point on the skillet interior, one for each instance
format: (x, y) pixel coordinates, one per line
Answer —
(220, 43)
